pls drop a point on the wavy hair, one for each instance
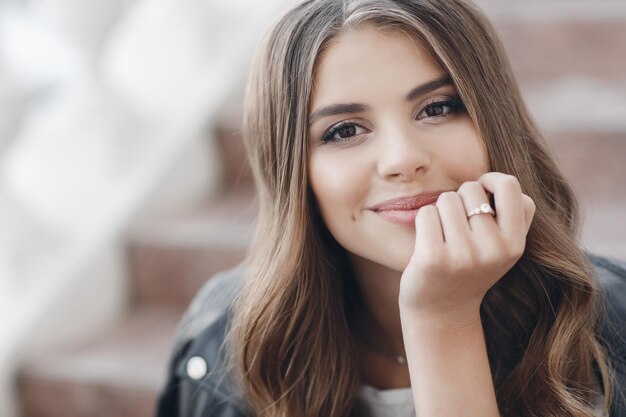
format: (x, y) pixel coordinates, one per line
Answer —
(290, 336)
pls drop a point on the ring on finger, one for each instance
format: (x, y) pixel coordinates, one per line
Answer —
(482, 209)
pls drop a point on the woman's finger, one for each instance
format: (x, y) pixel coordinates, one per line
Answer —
(428, 226)
(474, 196)
(453, 218)
(507, 192)
(529, 210)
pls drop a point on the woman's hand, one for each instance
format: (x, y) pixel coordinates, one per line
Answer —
(456, 260)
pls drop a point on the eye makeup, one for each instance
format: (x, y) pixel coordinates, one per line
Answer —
(347, 130)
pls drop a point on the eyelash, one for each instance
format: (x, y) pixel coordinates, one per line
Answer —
(456, 106)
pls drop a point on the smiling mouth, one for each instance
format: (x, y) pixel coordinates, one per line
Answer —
(403, 210)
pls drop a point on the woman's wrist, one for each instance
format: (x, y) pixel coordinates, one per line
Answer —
(448, 365)
(451, 318)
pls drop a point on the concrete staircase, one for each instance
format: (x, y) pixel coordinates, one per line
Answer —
(570, 61)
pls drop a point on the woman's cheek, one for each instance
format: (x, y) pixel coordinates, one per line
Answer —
(340, 189)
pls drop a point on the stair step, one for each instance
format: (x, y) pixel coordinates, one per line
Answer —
(546, 39)
(583, 121)
(171, 257)
(604, 229)
(119, 372)
(594, 164)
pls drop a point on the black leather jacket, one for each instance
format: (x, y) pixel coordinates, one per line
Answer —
(198, 384)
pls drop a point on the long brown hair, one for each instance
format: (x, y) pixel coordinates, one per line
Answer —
(291, 340)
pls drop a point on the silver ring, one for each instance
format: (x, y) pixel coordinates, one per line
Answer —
(482, 209)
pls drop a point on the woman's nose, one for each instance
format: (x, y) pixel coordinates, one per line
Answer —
(402, 156)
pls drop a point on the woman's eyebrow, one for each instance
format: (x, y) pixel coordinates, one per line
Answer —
(335, 109)
(428, 87)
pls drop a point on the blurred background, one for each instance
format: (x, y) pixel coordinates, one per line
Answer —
(124, 184)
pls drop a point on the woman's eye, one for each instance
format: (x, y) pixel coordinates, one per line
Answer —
(343, 132)
(441, 109)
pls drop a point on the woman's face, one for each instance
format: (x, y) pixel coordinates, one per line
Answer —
(385, 123)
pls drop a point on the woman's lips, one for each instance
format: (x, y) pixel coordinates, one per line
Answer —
(404, 209)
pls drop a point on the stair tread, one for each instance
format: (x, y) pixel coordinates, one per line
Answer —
(131, 353)
(554, 11)
(227, 220)
(579, 104)
(604, 229)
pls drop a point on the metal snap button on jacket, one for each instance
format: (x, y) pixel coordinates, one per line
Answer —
(196, 368)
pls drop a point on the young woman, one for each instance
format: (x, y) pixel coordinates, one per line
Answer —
(416, 250)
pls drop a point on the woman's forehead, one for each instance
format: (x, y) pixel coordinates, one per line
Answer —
(368, 60)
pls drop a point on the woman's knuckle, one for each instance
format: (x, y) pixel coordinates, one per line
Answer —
(529, 203)
(447, 197)
(470, 186)
(511, 182)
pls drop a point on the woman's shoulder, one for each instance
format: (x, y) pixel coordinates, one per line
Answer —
(611, 274)
(612, 328)
(199, 381)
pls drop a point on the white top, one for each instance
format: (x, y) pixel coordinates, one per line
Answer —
(396, 402)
